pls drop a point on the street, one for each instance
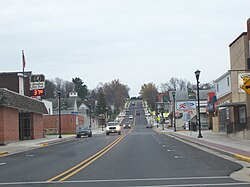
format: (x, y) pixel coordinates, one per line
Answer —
(138, 157)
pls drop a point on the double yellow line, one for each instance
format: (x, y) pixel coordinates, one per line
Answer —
(72, 171)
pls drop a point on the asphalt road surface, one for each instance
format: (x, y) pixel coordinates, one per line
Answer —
(138, 157)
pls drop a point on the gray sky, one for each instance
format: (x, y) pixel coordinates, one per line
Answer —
(135, 41)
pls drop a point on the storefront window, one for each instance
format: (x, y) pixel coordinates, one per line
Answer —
(242, 114)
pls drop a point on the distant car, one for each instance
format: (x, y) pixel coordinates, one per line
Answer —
(149, 125)
(113, 127)
(127, 125)
(131, 117)
(83, 130)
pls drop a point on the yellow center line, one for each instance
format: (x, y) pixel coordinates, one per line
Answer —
(84, 166)
(88, 161)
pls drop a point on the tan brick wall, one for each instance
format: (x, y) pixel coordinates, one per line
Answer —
(68, 122)
(1, 125)
(9, 125)
(37, 126)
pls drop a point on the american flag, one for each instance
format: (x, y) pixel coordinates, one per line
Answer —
(23, 58)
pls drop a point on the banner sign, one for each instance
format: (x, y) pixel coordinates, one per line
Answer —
(186, 105)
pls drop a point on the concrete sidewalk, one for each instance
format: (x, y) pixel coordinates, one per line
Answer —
(221, 142)
(26, 145)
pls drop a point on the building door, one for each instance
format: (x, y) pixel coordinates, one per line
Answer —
(223, 120)
(24, 126)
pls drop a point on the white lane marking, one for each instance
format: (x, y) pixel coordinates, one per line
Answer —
(136, 180)
(170, 150)
(29, 155)
(3, 163)
(117, 180)
(176, 156)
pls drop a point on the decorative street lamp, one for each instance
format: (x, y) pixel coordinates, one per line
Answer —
(173, 94)
(106, 115)
(197, 75)
(162, 115)
(90, 125)
(59, 105)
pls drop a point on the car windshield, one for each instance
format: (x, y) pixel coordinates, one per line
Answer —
(112, 123)
(124, 93)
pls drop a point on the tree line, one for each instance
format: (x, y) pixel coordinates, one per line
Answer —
(150, 91)
(105, 97)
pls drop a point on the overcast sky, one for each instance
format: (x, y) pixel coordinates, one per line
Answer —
(135, 41)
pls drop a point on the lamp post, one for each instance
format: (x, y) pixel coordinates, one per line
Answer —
(173, 94)
(197, 75)
(106, 117)
(59, 105)
(162, 115)
(90, 125)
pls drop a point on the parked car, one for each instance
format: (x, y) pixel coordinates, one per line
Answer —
(113, 127)
(83, 130)
(131, 117)
(127, 125)
(149, 125)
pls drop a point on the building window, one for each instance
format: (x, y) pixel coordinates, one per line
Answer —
(217, 87)
(242, 114)
(228, 81)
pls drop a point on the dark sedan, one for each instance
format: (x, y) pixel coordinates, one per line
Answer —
(83, 131)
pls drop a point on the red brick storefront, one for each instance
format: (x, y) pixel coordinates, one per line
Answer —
(13, 125)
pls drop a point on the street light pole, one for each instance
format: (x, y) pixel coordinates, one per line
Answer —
(59, 105)
(162, 115)
(173, 94)
(197, 75)
(90, 125)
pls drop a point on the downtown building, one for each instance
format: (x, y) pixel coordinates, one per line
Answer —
(21, 117)
(232, 109)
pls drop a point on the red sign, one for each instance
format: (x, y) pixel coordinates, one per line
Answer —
(37, 92)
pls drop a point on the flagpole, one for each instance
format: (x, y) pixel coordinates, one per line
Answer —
(23, 63)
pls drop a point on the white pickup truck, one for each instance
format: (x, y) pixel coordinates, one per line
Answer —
(113, 127)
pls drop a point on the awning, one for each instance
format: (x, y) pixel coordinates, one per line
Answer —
(232, 104)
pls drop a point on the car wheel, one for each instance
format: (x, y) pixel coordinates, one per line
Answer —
(78, 136)
(107, 133)
(119, 132)
(90, 135)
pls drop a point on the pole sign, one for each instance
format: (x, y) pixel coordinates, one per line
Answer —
(37, 84)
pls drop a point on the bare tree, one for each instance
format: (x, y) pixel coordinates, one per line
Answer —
(149, 93)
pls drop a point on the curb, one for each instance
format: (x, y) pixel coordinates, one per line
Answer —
(52, 142)
(4, 153)
(243, 158)
(237, 156)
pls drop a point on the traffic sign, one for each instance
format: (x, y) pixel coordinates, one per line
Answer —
(246, 86)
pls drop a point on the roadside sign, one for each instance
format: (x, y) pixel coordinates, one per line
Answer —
(246, 87)
(37, 82)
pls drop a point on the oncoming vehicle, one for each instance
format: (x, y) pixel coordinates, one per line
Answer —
(113, 127)
(127, 125)
(83, 131)
(131, 117)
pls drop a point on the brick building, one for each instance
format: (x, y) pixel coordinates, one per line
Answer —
(21, 117)
(68, 123)
(14, 82)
